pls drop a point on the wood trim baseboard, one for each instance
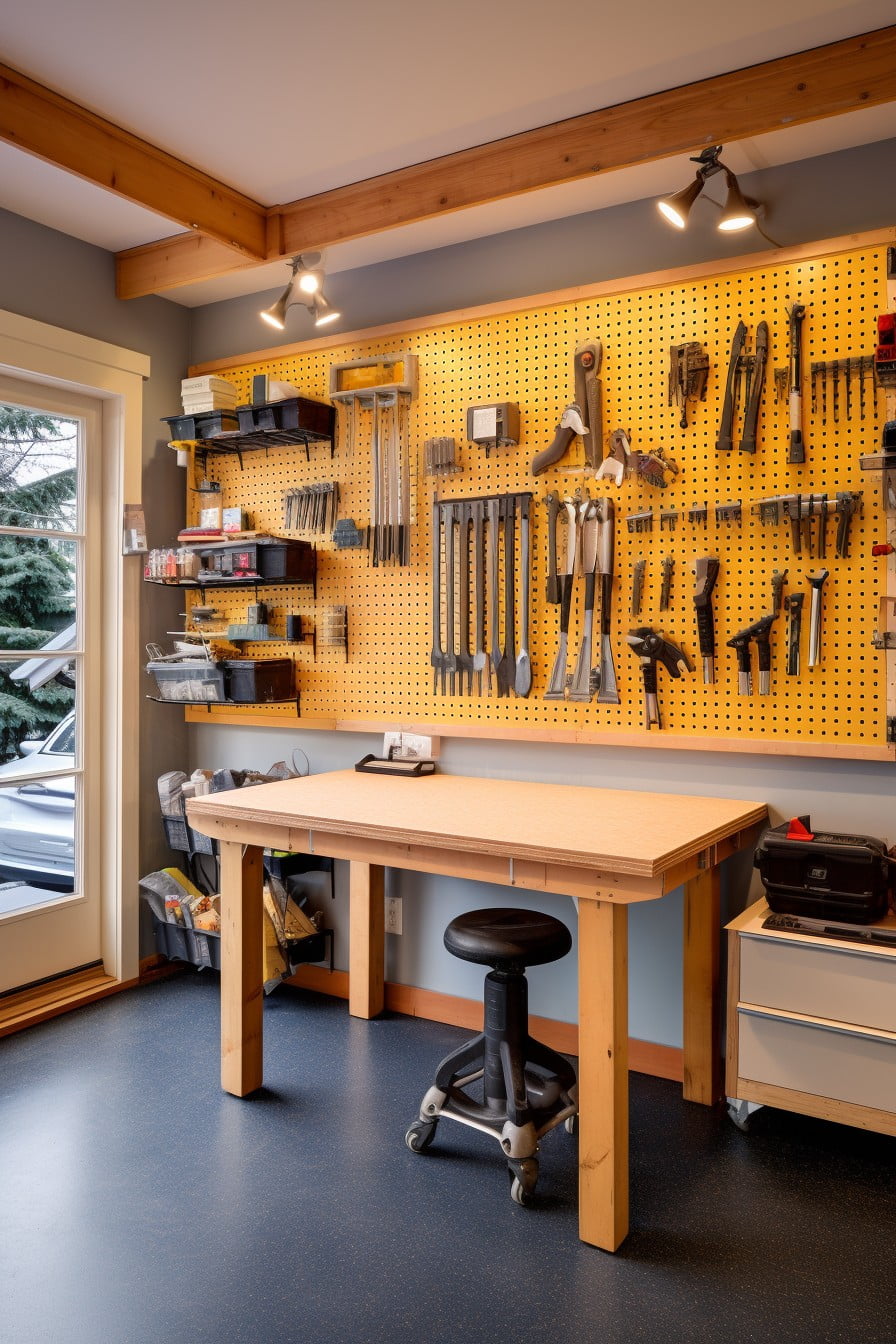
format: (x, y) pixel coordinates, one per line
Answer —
(32, 1006)
(660, 1061)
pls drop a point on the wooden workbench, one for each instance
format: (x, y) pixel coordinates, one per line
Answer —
(609, 848)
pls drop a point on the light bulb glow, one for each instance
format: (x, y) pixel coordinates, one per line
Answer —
(668, 211)
(734, 223)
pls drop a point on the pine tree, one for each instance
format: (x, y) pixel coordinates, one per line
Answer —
(36, 574)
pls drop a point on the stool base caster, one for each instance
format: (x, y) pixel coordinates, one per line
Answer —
(523, 1174)
(420, 1135)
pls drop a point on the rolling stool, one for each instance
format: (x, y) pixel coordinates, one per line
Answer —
(526, 1087)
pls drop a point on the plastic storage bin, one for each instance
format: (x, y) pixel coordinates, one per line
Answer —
(204, 426)
(295, 413)
(256, 680)
(188, 681)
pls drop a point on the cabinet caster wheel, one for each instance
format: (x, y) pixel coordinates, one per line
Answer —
(571, 1124)
(739, 1113)
(420, 1135)
(523, 1177)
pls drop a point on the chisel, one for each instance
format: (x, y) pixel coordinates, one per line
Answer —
(557, 684)
(608, 693)
(480, 661)
(507, 665)
(493, 506)
(450, 660)
(580, 686)
(817, 582)
(553, 588)
(794, 604)
(523, 679)
(464, 658)
(437, 655)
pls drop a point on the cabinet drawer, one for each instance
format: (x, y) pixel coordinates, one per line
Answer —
(845, 984)
(826, 1060)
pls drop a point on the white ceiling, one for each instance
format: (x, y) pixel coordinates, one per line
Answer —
(284, 99)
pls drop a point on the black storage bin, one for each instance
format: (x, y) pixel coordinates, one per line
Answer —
(287, 560)
(848, 878)
(204, 426)
(297, 413)
(269, 559)
(315, 947)
(256, 680)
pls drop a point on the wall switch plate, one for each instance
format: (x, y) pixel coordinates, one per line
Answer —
(393, 914)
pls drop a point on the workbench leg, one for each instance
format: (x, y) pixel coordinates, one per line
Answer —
(701, 1030)
(603, 1073)
(242, 935)
(367, 936)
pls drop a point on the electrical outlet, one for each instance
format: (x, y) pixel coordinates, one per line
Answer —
(416, 748)
(393, 914)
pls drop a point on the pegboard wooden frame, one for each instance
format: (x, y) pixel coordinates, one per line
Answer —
(699, 303)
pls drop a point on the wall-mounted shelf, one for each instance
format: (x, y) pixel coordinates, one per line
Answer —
(271, 424)
(209, 705)
(255, 584)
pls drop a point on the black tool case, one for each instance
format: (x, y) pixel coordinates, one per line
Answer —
(825, 875)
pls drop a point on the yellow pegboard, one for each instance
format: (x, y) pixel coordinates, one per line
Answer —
(525, 356)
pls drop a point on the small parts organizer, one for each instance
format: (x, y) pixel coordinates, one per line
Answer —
(185, 907)
(687, 580)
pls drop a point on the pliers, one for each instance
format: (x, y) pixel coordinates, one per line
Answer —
(651, 648)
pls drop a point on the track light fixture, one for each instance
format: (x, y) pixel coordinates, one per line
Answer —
(305, 287)
(738, 212)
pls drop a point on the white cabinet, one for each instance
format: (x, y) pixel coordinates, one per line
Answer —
(811, 1023)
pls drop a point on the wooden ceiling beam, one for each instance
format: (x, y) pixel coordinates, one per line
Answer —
(41, 122)
(808, 86)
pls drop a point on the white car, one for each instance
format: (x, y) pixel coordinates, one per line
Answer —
(37, 815)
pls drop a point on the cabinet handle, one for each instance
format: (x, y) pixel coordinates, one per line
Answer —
(819, 1024)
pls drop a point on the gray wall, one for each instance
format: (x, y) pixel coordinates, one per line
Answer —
(56, 279)
(819, 198)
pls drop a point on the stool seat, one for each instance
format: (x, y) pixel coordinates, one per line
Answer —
(507, 937)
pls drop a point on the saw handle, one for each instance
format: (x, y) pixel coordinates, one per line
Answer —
(554, 451)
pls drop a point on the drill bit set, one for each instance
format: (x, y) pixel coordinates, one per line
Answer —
(312, 508)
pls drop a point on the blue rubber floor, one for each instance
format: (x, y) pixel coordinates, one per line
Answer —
(141, 1205)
